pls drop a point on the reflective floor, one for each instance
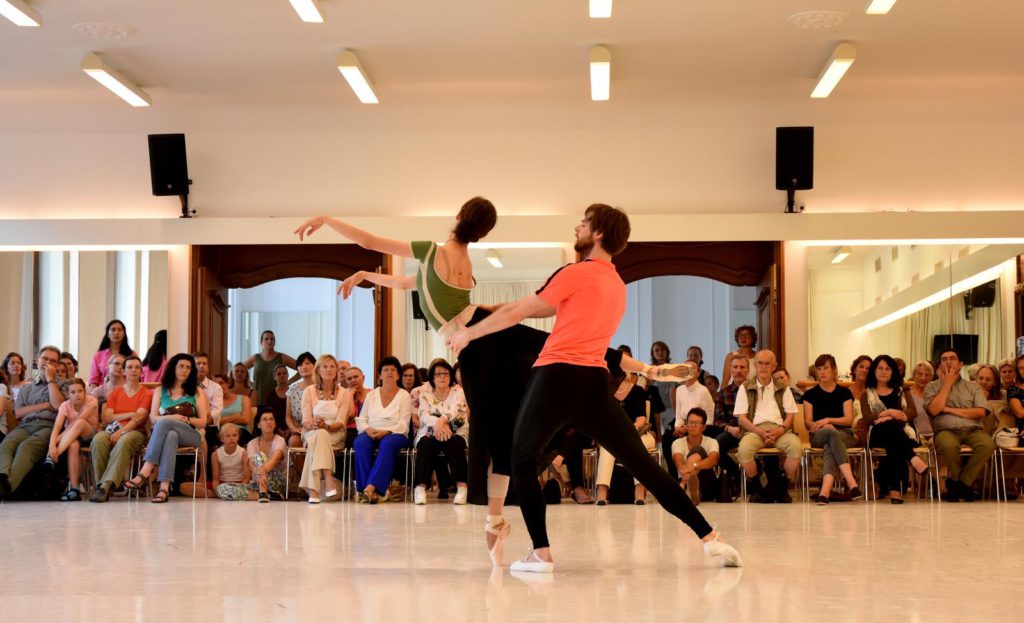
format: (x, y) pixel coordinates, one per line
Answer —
(233, 561)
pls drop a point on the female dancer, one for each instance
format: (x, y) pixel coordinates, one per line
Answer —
(496, 368)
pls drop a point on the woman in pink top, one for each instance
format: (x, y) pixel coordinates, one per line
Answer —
(156, 358)
(115, 340)
(77, 420)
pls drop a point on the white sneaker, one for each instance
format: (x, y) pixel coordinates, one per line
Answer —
(532, 564)
(461, 495)
(314, 500)
(724, 555)
(419, 495)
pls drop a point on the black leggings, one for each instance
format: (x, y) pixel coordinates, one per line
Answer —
(426, 453)
(548, 406)
(892, 471)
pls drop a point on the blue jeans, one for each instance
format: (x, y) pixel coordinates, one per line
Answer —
(169, 434)
(377, 472)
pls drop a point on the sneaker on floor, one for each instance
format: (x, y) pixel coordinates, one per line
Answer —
(856, 494)
(532, 564)
(821, 500)
(461, 496)
(264, 497)
(419, 495)
(725, 555)
(102, 492)
(49, 464)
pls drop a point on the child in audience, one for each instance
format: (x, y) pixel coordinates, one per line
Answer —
(230, 466)
(266, 460)
(77, 420)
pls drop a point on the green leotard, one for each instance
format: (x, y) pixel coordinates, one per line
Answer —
(439, 300)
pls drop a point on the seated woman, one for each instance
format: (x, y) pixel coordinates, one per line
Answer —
(383, 425)
(443, 426)
(293, 406)
(266, 459)
(114, 342)
(123, 422)
(237, 409)
(277, 398)
(241, 385)
(114, 378)
(828, 416)
(178, 414)
(924, 373)
(633, 400)
(326, 407)
(888, 412)
(410, 376)
(77, 421)
(999, 412)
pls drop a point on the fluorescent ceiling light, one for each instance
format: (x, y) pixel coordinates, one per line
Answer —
(946, 293)
(308, 10)
(495, 259)
(886, 242)
(841, 254)
(349, 66)
(600, 9)
(20, 13)
(879, 7)
(600, 73)
(842, 57)
(93, 65)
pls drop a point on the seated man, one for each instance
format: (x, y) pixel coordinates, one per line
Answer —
(957, 408)
(765, 410)
(695, 457)
(689, 394)
(36, 410)
(727, 428)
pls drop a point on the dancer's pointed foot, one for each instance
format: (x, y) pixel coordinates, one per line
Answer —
(722, 553)
(496, 533)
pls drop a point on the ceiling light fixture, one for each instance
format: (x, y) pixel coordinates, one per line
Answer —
(495, 259)
(600, 73)
(600, 9)
(308, 10)
(355, 75)
(99, 71)
(841, 254)
(842, 57)
(879, 7)
(20, 13)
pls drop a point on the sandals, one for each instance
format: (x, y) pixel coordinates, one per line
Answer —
(71, 495)
(500, 531)
(162, 496)
(581, 498)
(135, 483)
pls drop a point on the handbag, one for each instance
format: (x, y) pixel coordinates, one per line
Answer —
(182, 408)
(1006, 437)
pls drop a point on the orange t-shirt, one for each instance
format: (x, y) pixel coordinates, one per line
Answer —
(121, 402)
(591, 300)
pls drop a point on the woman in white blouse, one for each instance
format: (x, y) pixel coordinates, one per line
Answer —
(383, 425)
(325, 411)
(443, 425)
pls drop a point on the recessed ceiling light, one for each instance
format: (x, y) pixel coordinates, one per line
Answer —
(494, 259)
(99, 71)
(879, 7)
(355, 75)
(308, 10)
(600, 73)
(20, 13)
(600, 9)
(841, 254)
(842, 57)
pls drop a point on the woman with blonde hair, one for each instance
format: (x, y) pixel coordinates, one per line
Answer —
(326, 407)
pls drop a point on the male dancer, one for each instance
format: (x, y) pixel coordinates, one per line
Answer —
(590, 299)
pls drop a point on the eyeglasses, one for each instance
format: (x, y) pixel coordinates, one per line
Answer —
(442, 373)
(694, 423)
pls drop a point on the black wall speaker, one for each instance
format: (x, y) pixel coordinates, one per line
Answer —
(794, 158)
(167, 165)
(984, 295)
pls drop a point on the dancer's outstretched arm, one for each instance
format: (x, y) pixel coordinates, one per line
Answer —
(505, 316)
(397, 282)
(363, 238)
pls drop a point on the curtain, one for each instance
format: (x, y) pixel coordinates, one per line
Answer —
(949, 316)
(424, 345)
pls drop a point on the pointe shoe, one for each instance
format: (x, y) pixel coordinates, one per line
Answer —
(725, 555)
(531, 563)
(500, 531)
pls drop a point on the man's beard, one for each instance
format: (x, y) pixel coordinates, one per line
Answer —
(584, 246)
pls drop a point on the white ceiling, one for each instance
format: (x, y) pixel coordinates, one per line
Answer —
(492, 98)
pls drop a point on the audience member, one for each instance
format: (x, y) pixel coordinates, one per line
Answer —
(240, 383)
(326, 407)
(443, 427)
(304, 365)
(14, 365)
(229, 466)
(924, 373)
(746, 343)
(858, 385)
(1015, 395)
(633, 401)
(36, 410)
(660, 354)
(887, 411)
(77, 421)
(123, 431)
(713, 384)
(277, 398)
(411, 377)
(178, 413)
(1007, 373)
(458, 373)
(214, 396)
(266, 459)
(7, 421)
(695, 457)
(115, 341)
(114, 378)
(382, 424)
(70, 363)
(696, 355)
(901, 366)
(727, 427)
(765, 410)
(782, 375)
(972, 372)
(689, 394)
(988, 381)
(263, 364)
(355, 381)
(237, 409)
(155, 361)
(957, 408)
(828, 415)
